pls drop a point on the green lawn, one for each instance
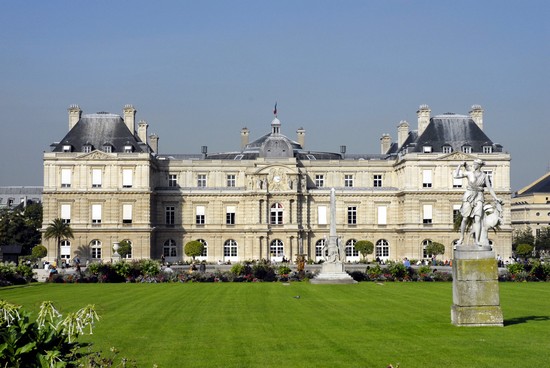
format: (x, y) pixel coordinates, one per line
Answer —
(264, 325)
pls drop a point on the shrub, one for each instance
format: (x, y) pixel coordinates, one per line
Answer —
(515, 268)
(39, 252)
(357, 275)
(238, 269)
(397, 270)
(283, 270)
(540, 271)
(263, 271)
(374, 271)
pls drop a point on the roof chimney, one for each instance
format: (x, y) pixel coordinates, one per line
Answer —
(423, 114)
(74, 115)
(402, 132)
(301, 132)
(154, 142)
(142, 131)
(244, 137)
(477, 115)
(130, 117)
(385, 143)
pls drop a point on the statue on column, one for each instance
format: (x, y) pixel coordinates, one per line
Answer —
(483, 216)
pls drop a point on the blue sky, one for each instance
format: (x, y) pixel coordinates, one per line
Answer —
(345, 71)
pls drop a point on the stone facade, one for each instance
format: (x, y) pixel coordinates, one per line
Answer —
(531, 206)
(269, 199)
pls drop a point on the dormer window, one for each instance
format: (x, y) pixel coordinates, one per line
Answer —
(67, 148)
(128, 148)
(107, 148)
(447, 149)
(487, 149)
(87, 148)
(427, 149)
(467, 149)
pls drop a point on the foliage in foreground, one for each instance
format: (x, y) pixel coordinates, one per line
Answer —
(49, 341)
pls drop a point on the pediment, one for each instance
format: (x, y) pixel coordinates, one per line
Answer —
(457, 156)
(95, 155)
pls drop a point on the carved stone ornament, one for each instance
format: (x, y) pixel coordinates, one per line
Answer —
(277, 179)
(95, 155)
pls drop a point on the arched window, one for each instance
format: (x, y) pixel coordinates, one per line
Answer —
(350, 248)
(65, 251)
(129, 254)
(169, 248)
(276, 248)
(319, 249)
(276, 212)
(382, 248)
(95, 249)
(205, 249)
(230, 248)
(425, 243)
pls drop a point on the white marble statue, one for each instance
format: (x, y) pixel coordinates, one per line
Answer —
(484, 216)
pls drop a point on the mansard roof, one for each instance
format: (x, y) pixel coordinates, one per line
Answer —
(451, 130)
(99, 130)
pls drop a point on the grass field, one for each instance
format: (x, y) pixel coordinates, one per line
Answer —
(265, 325)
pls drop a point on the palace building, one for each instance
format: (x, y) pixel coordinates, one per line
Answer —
(270, 197)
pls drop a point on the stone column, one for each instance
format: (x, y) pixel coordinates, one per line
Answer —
(476, 300)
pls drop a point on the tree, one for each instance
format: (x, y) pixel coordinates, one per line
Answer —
(39, 252)
(124, 248)
(364, 247)
(524, 236)
(435, 248)
(58, 230)
(524, 250)
(194, 248)
(542, 242)
(20, 226)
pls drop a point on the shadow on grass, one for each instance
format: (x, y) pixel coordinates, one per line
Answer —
(517, 321)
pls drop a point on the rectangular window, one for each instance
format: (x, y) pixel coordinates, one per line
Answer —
(66, 213)
(447, 149)
(67, 148)
(172, 180)
(467, 149)
(457, 182)
(382, 215)
(87, 148)
(426, 178)
(201, 180)
(230, 215)
(96, 178)
(427, 214)
(127, 178)
(200, 215)
(489, 174)
(107, 149)
(456, 211)
(352, 215)
(377, 181)
(65, 178)
(96, 214)
(319, 181)
(170, 215)
(487, 149)
(427, 149)
(322, 215)
(231, 181)
(348, 180)
(126, 213)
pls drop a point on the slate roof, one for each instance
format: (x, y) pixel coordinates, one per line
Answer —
(98, 130)
(542, 185)
(448, 130)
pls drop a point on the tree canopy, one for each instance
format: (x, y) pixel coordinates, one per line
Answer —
(194, 248)
(435, 248)
(364, 247)
(20, 226)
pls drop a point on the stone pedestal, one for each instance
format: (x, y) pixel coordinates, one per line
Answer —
(333, 273)
(476, 299)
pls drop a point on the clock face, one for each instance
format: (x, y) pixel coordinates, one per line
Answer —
(277, 179)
